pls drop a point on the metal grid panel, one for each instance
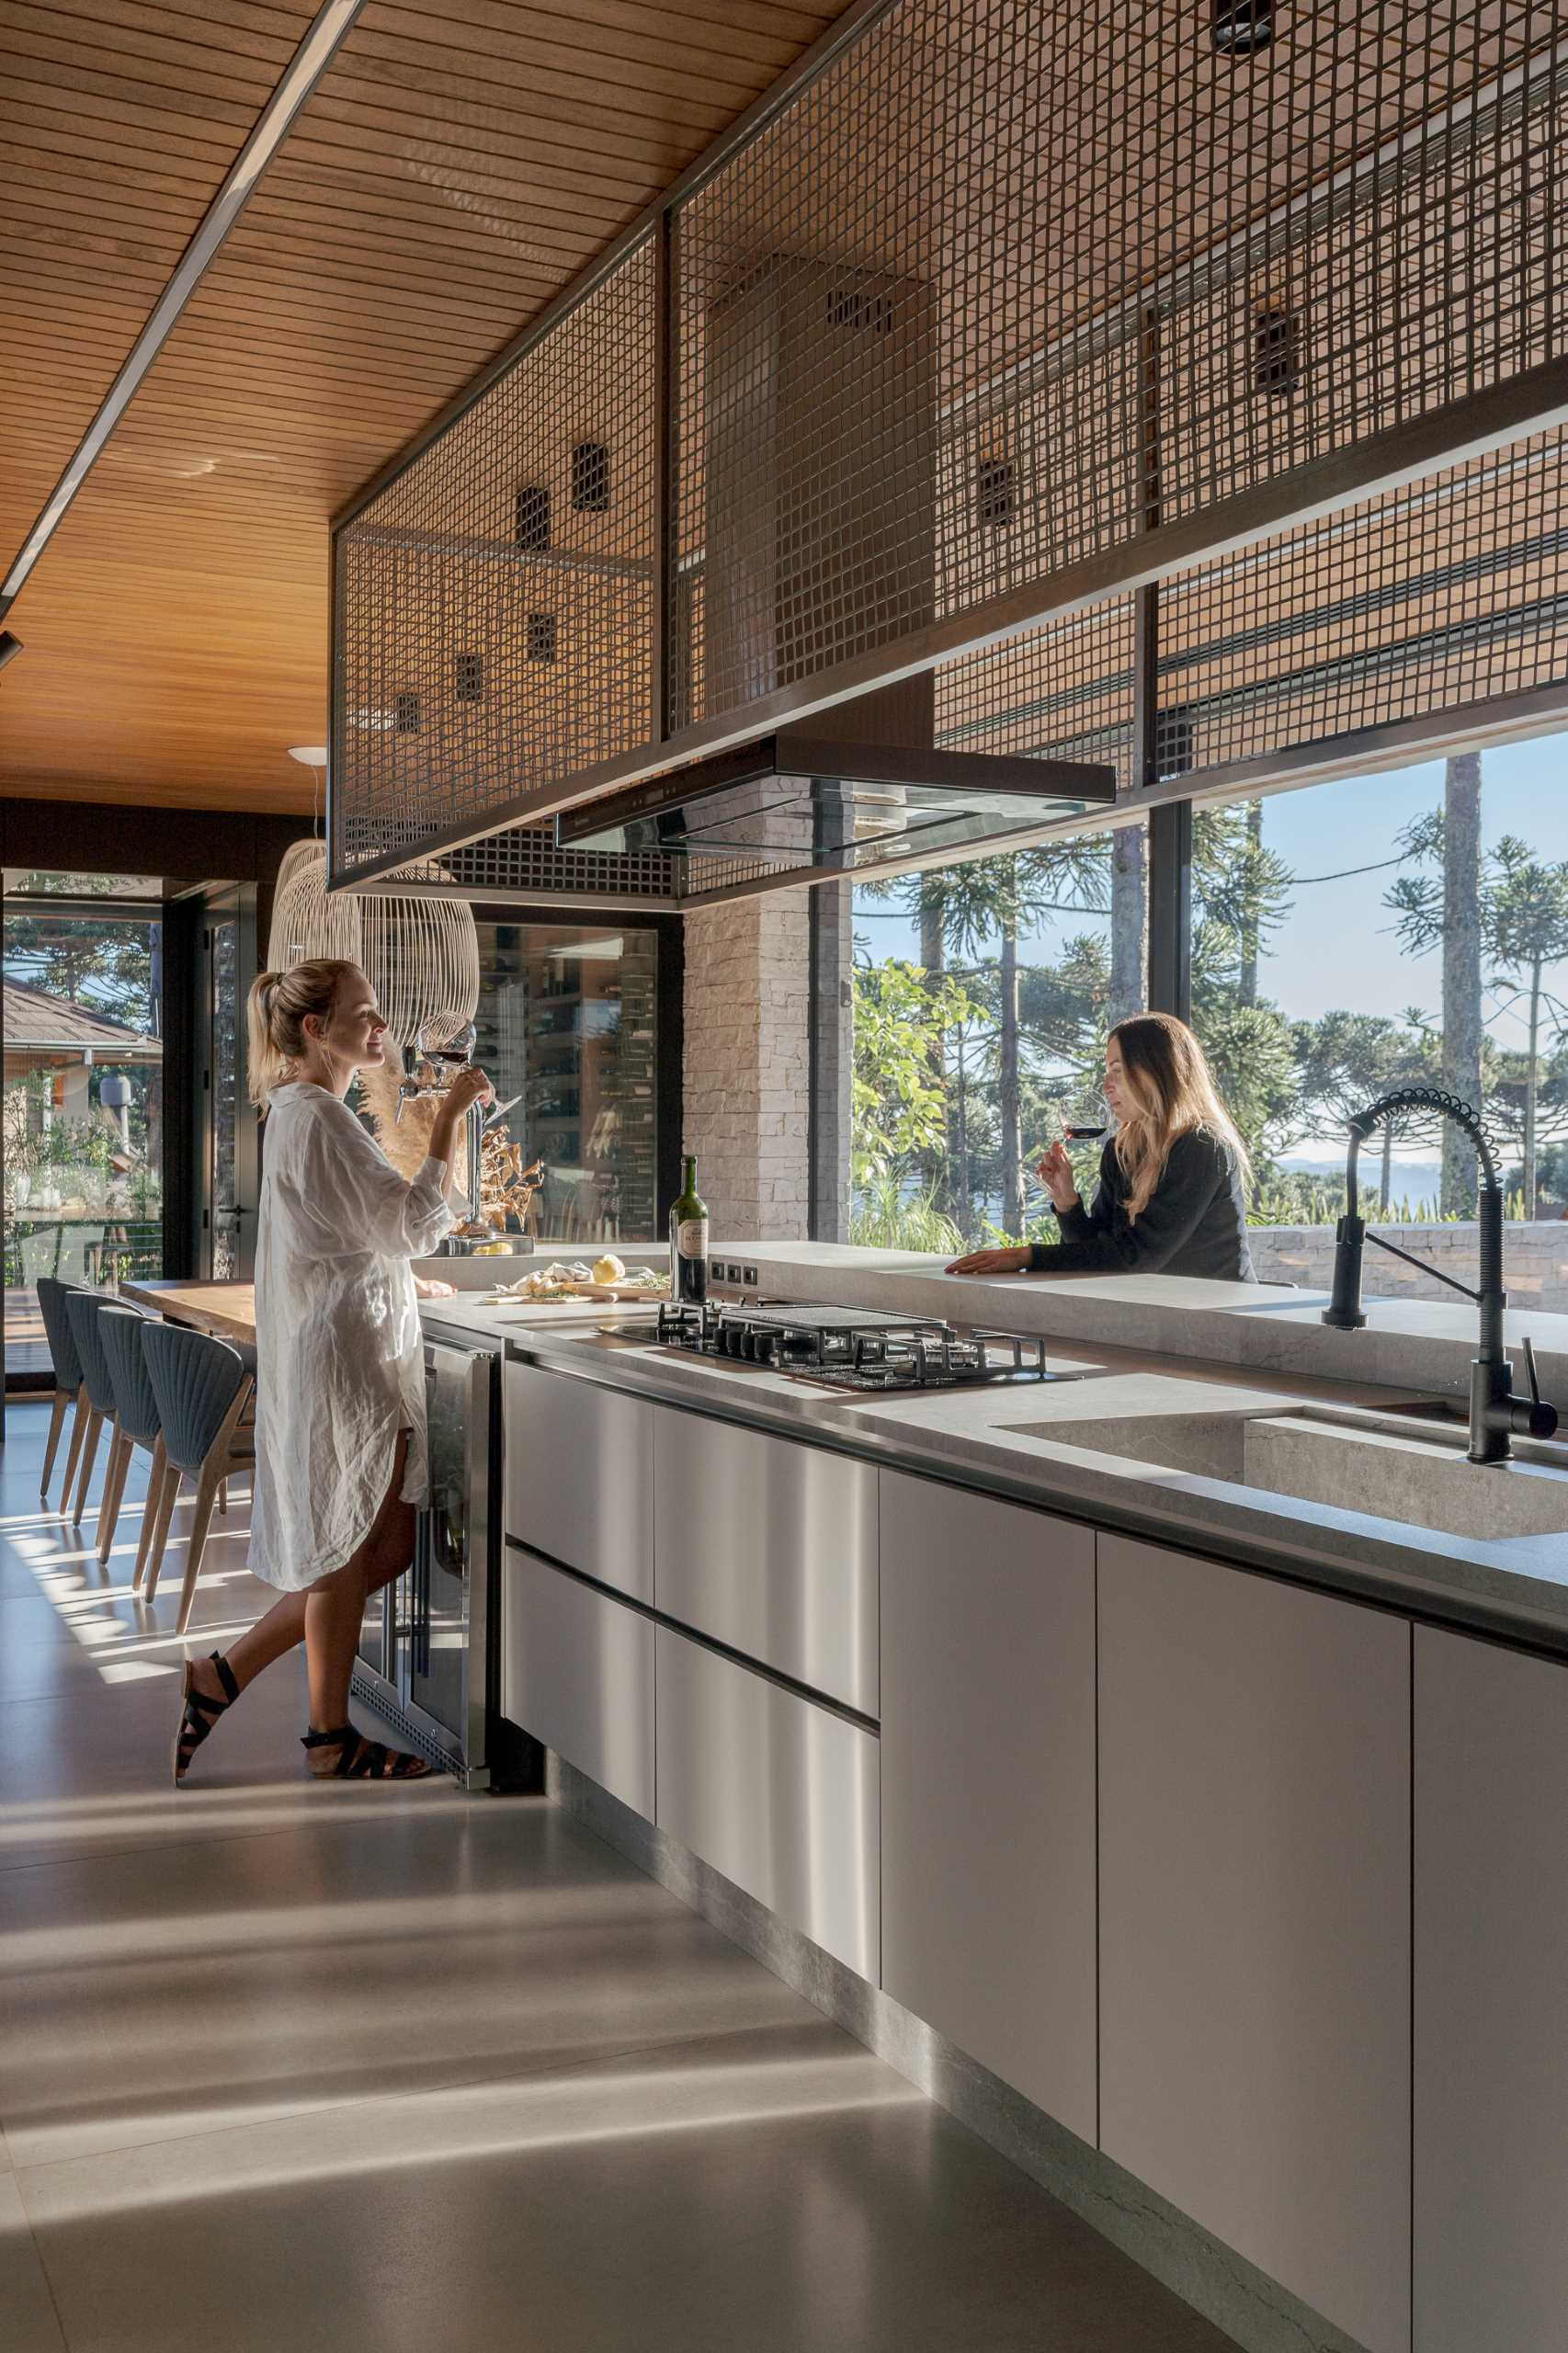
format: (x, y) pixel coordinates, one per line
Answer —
(1063, 692)
(523, 536)
(522, 862)
(1001, 288)
(1445, 594)
(1450, 593)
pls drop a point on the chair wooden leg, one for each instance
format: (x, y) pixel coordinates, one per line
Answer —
(78, 1427)
(114, 1492)
(206, 1496)
(56, 1423)
(150, 1510)
(166, 1503)
(223, 1499)
(90, 1455)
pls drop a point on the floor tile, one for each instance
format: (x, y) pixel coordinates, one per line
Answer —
(155, 1995)
(285, 2063)
(766, 2194)
(27, 2319)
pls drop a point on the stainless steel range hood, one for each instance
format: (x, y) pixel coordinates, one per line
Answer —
(822, 801)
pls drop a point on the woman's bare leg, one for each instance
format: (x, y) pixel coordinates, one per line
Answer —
(384, 1555)
(334, 1605)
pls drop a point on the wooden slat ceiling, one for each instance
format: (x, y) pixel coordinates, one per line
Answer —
(461, 160)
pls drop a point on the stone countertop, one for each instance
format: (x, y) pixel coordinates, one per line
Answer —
(1257, 1327)
(978, 1438)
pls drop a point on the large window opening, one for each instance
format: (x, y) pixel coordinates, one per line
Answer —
(982, 998)
(83, 1092)
(1345, 938)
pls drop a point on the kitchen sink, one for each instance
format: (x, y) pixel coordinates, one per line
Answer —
(1353, 1461)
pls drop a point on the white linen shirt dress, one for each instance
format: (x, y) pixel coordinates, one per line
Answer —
(340, 1367)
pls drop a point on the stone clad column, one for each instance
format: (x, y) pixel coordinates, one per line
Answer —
(747, 1064)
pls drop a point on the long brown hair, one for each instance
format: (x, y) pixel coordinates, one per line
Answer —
(1173, 1093)
(275, 1014)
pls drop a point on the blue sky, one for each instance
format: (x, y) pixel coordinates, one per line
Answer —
(1336, 948)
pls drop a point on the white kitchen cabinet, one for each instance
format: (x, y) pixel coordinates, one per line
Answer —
(776, 1792)
(770, 1548)
(988, 1785)
(579, 1476)
(1255, 1921)
(577, 1672)
(1490, 1984)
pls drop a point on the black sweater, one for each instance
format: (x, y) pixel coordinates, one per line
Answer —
(1194, 1221)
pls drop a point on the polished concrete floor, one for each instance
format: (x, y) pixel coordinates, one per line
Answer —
(286, 2065)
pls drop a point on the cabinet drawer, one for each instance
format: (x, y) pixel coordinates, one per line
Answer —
(577, 1672)
(771, 1548)
(988, 1787)
(579, 1465)
(1254, 1921)
(779, 1795)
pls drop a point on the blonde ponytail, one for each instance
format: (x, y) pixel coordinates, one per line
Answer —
(275, 1012)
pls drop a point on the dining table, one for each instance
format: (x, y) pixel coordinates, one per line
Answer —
(225, 1309)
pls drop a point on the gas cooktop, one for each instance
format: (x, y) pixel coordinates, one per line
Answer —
(850, 1348)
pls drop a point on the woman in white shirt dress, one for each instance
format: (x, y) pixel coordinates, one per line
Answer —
(340, 1454)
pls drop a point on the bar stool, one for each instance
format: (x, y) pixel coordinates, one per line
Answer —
(70, 1382)
(205, 1391)
(84, 1309)
(136, 1423)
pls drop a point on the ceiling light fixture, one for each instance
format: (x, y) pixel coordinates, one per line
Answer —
(1242, 27)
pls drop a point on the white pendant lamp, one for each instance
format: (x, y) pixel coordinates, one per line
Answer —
(420, 953)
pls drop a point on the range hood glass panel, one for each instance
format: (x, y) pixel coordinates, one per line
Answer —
(830, 823)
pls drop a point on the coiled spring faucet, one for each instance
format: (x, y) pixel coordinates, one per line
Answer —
(1495, 1414)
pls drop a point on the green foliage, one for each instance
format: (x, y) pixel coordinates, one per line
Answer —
(900, 1112)
(885, 1219)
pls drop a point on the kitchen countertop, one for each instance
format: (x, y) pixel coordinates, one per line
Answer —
(1137, 1341)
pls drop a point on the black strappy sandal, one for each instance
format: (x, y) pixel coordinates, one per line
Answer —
(363, 1760)
(200, 1711)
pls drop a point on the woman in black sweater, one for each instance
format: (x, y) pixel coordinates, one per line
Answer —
(1172, 1196)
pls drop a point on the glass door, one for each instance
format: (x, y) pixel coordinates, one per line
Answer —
(83, 1092)
(227, 1123)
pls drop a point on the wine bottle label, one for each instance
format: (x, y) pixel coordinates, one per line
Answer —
(691, 1237)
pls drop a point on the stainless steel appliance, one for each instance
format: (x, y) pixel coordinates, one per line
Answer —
(852, 1347)
(425, 1649)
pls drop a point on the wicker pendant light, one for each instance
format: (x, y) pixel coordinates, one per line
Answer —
(419, 953)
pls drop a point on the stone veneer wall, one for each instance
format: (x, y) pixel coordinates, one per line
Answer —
(748, 1064)
(1535, 1261)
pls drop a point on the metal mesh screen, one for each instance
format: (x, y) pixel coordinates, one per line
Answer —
(522, 863)
(1063, 692)
(1451, 593)
(1003, 288)
(494, 626)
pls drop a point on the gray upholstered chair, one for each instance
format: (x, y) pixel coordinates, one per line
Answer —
(82, 1308)
(205, 1391)
(136, 1423)
(70, 1386)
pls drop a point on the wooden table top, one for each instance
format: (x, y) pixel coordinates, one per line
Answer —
(226, 1309)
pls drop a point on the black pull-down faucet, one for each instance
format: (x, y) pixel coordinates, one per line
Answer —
(1495, 1414)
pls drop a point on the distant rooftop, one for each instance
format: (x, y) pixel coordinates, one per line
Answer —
(36, 1022)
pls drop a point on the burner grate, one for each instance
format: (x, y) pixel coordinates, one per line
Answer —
(848, 1347)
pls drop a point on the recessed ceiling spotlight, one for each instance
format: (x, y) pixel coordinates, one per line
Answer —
(309, 755)
(1242, 27)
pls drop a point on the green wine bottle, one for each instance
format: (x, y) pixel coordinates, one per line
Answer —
(688, 1239)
